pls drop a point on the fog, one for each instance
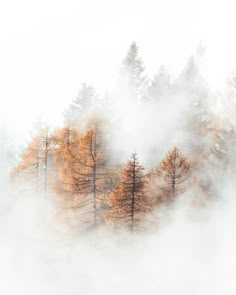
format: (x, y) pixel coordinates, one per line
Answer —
(48, 50)
(188, 248)
(192, 252)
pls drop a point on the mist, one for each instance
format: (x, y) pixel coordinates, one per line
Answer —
(187, 248)
(135, 82)
(192, 252)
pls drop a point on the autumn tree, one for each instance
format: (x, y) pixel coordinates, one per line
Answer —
(174, 171)
(66, 146)
(128, 202)
(90, 174)
(154, 189)
(212, 155)
(28, 170)
(35, 163)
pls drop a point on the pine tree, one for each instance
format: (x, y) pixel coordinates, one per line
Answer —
(128, 202)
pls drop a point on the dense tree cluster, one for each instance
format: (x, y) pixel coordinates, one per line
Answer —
(74, 162)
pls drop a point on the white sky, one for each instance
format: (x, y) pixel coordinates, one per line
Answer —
(48, 47)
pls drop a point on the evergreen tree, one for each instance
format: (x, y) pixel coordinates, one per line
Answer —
(160, 85)
(80, 107)
(133, 72)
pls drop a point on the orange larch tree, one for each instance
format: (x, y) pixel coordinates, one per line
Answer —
(33, 169)
(86, 174)
(66, 145)
(93, 171)
(174, 171)
(128, 203)
(28, 171)
(84, 177)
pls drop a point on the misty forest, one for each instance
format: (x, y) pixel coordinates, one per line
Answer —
(123, 159)
(117, 147)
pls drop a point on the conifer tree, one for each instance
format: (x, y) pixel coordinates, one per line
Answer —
(160, 85)
(66, 145)
(35, 163)
(85, 101)
(174, 171)
(28, 170)
(44, 157)
(133, 72)
(128, 202)
(90, 174)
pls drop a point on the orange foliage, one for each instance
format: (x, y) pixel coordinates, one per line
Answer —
(174, 171)
(128, 202)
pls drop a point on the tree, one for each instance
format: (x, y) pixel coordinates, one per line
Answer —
(212, 155)
(174, 171)
(28, 171)
(86, 99)
(160, 85)
(66, 146)
(84, 178)
(88, 174)
(133, 71)
(44, 157)
(33, 168)
(153, 188)
(128, 202)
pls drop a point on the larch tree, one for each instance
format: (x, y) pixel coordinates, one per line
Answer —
(91, 174)
(66, 146)
(84, 177)
(153, 188)
(128, 203)
(174, 171)
(35, 163)
(212, 155)
(28, 170)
